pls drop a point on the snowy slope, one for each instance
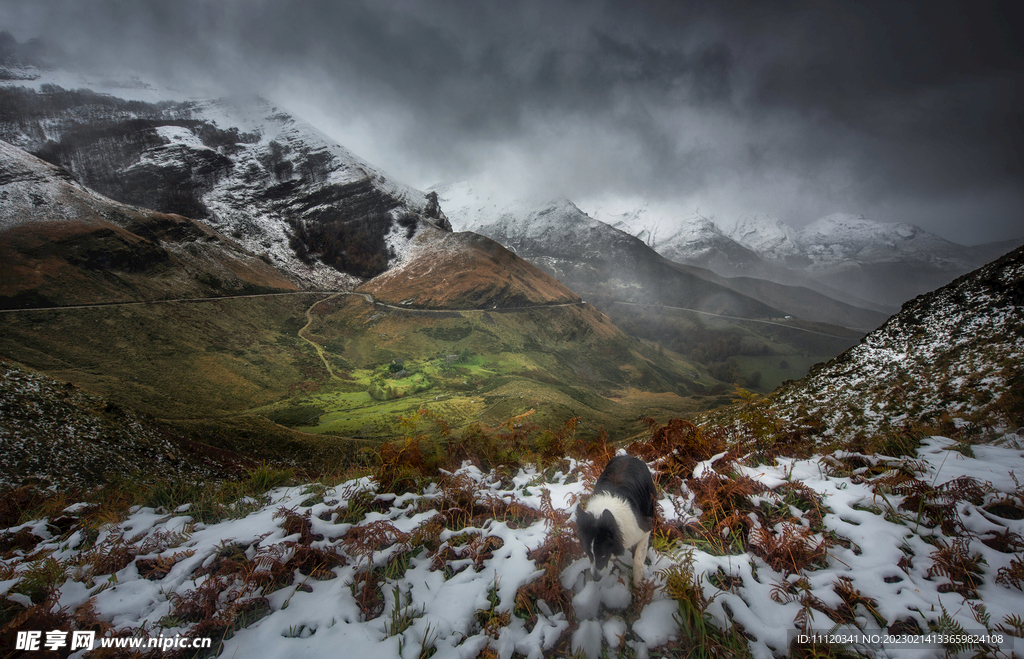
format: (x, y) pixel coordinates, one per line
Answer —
(768, 236)
(684, 237)
(286, 571)
(840, 238)
(63, 243)
(949, 357)
(244, 166)
(599, 260)
(238, 201)
(53, 432)
(849, 257)
(701, 242)
(541, 226)
(32, 190)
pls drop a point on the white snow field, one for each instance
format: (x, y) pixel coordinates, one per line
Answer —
(884, 560)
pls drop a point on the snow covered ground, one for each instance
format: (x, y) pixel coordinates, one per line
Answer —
(462, 590)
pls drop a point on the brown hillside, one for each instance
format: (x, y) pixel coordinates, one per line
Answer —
(63, 244)
(465, 271)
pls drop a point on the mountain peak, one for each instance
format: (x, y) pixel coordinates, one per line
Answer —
(465, 271)
(849, 226)
(767, 235)
(252, 171)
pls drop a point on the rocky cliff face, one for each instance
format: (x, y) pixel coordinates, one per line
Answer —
(265, 178)
(62, 243)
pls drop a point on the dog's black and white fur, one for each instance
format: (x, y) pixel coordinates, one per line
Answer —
(618, 516)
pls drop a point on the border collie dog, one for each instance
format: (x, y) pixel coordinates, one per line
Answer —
(618, 516)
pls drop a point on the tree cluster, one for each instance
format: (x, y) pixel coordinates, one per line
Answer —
(356, 246)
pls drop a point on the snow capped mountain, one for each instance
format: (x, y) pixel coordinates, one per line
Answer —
(589, 256)
(768, 236)
(271, 181)
(62, 243)
(540, 226)
(841, 238)
(700, 242)
(861, 261)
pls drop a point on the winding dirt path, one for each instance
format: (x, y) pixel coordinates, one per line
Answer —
(316, 346)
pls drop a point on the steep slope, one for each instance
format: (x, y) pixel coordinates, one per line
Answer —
(55, 434)
(889, 263)
(768, 237)
(269, 180)
(695, 240)
(602, 262)
(62, 243)
(735, 327)
(465, 271)
(590, 257)
(469, 330)
(841, 238)
(949, 359)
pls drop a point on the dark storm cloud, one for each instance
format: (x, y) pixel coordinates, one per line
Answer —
(908, 111)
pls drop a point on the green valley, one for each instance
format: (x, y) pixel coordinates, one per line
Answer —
(243, 373)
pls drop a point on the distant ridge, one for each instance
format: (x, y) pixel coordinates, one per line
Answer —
(602, 262)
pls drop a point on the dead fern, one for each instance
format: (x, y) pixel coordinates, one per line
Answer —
(296, 523)
(164, 539)
(552, 446)
(45, 614)
(1012, 575)
(560, 547)
(934, 505)
(108, 557)
(725, 505)
(1006, 542)
(792, 550)
(963, 569)
(852, 597)
(593, 456)
(508, 509)
(802, 497)
(364, 541)
(157, 568)
(401, 464)
(799, 591)
(674, 449)
(18, 543)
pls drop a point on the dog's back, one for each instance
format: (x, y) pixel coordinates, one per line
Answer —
(628, 478)
(619, 516)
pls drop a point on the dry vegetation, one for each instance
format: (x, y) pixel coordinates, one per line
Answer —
(723, 511)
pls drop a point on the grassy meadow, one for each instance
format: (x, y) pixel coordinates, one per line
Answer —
(312, 378)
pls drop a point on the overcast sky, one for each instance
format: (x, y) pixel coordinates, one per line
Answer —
(903, 111)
